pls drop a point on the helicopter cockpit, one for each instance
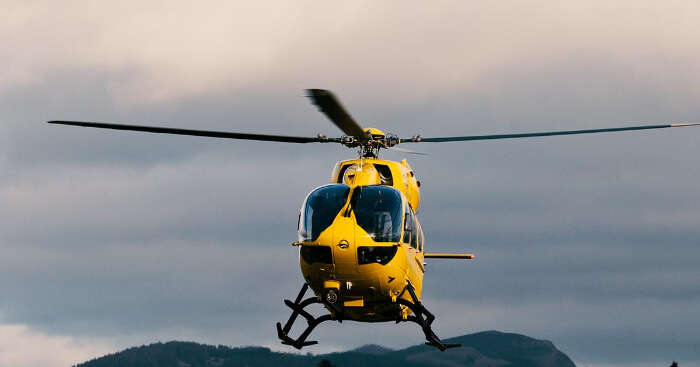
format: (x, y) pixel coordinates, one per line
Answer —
(378, 210)
(320, 209)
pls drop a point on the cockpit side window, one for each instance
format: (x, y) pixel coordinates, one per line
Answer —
(320, 209)
(378, 211)
(420, 236)
(414, 235)
(384, 174)
(419, 232)
(341, 172)
(410, 233)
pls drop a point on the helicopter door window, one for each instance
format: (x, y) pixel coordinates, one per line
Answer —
(420, 236)
(378, 211)
(320, 209)
(409, 230)
(406, 226)
(414, 232)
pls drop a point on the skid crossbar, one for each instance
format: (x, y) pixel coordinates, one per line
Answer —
(423, 318)
(420, 316)
(298, 309)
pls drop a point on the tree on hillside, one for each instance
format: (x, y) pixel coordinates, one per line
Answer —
(325, 363)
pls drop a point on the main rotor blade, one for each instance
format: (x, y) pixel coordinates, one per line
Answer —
(449, 256)
(402, 150)
(213, 134)
(331, 107)
(531, 135)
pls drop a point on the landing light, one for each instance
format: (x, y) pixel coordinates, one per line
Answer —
(332, 296)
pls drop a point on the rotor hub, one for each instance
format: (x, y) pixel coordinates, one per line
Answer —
(371, 142)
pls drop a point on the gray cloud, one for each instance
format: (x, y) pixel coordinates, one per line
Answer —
(127, 238)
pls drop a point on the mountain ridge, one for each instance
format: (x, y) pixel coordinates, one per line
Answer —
(483, 349)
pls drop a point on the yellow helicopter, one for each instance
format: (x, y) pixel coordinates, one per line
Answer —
(361, 246)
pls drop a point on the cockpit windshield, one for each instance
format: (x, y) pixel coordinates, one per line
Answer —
(378, 211)
(320, 209)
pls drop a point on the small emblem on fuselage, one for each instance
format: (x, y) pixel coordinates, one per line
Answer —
(343, 244)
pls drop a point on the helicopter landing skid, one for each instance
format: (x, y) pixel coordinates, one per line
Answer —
(298, 309)
(423, 318)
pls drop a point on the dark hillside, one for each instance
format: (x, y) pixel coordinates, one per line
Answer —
(489, 348)
(493, 348)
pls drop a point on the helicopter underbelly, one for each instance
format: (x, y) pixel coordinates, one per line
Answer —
(368, 291)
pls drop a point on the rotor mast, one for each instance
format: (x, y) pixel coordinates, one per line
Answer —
(370, 140)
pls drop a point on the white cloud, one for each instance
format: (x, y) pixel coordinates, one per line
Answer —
(21, 346)
(178, 48)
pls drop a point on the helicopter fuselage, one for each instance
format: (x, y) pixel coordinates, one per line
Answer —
(360, 239)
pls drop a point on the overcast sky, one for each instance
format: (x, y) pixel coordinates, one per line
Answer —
(111, 239)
